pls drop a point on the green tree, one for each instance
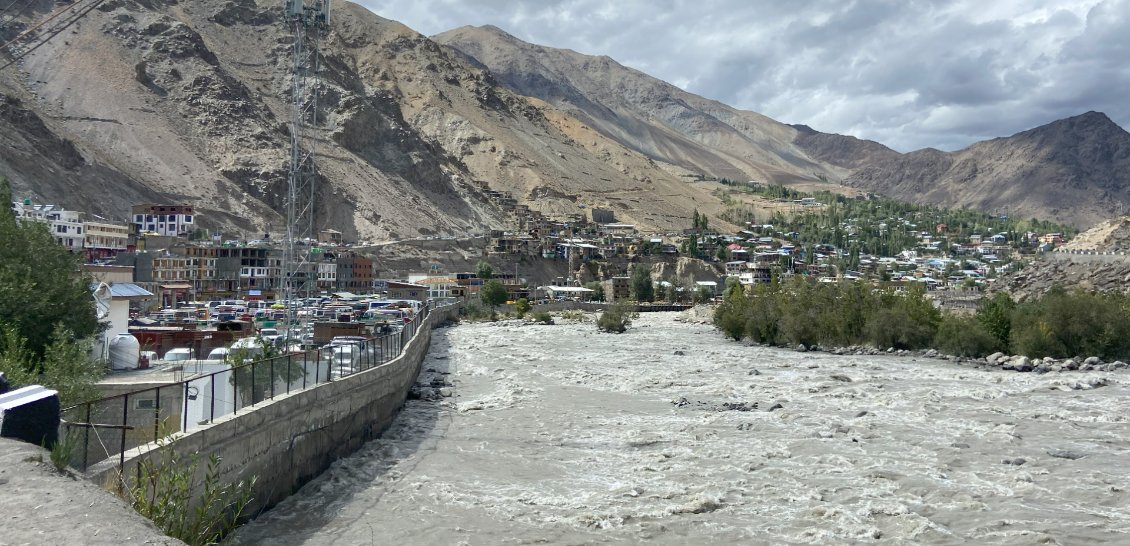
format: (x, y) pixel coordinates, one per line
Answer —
(964, 336)
(493, 294)
(640, 284)
(597, 288)
(46, 311)
(521, 307)
(704, 294)
(484, 270)
(616, 318)
(41, 286)
(994, 315)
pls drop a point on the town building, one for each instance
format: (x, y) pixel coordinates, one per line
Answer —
(104, 240)
(65, 225)
(169, 220)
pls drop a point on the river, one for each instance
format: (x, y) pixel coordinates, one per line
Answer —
(671, 434)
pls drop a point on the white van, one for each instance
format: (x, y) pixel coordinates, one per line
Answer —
(180, 353)
(219, 353)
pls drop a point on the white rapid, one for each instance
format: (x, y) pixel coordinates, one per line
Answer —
(563, 435)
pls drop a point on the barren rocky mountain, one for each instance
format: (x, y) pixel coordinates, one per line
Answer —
(1075, 170)
(643, 113)
(172, 101)
(843, 151)
(188, 101)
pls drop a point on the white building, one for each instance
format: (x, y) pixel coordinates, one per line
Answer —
(168, 220)
(65, 225)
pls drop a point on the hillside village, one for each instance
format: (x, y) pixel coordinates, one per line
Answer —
(167, 252)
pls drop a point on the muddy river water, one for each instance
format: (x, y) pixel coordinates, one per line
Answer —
(670, 434)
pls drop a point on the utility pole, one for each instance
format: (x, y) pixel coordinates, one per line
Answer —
(308, 19)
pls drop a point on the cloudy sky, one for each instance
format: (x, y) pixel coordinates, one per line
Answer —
(907, 73)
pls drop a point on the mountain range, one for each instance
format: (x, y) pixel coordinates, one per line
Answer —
(167, 101)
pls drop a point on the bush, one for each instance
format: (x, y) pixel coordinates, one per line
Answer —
(1062, 324)
(521, 307)
(473, 310)
(965, 337)
(994, 315)
(574, 314)
(543, 317)
(617, 318)
(597, 288)
(166, 490)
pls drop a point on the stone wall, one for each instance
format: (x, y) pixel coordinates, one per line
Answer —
(287, 441)
(1087, 256)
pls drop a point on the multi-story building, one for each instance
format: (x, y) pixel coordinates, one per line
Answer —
(170, 220)
(65, 225)
(105, 240)
(327, 273)
(207, 272)
(354, 273)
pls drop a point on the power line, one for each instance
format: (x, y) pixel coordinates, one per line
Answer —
(52, 32)
(21, 11)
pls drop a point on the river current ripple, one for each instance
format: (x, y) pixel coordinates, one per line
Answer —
(563, 435)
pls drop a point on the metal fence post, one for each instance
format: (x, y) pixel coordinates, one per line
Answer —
(184, 416)
(122, 446)
(156, 417)
(86, 439)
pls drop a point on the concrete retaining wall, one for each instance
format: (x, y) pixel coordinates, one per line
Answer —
(287, 441)
(1087, 256)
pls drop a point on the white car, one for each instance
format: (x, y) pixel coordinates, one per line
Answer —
(178, 354)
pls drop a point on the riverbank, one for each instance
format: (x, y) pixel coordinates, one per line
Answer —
(704, 314)
(42, 506)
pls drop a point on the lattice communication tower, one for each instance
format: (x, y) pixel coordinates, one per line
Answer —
(308, 19)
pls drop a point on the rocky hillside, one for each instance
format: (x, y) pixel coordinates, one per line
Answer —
(1095, 260)
(1075, 170)
(174, 101)
(188, 101)
(843, 151)
(643, 113)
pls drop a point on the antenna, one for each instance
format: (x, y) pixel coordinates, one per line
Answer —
(308, 19)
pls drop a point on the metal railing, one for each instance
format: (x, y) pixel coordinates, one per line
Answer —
(109, 427)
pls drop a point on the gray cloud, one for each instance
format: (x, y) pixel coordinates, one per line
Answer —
(907, 73)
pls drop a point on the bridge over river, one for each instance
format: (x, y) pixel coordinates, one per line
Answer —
(671, 434)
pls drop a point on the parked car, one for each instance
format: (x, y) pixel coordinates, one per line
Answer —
(219, 353)
(178, 354)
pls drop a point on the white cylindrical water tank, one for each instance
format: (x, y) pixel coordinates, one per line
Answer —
(124, 352)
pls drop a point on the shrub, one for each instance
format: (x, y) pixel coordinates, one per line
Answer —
(597, 288)
(617, 318)
(543, 317)
(640, 283)
(473, 310)
(521, 307)
(574, 314)
(994, 315)
(964, 336)
(165, 491)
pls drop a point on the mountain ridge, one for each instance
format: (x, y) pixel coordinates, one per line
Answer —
(188, 102)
